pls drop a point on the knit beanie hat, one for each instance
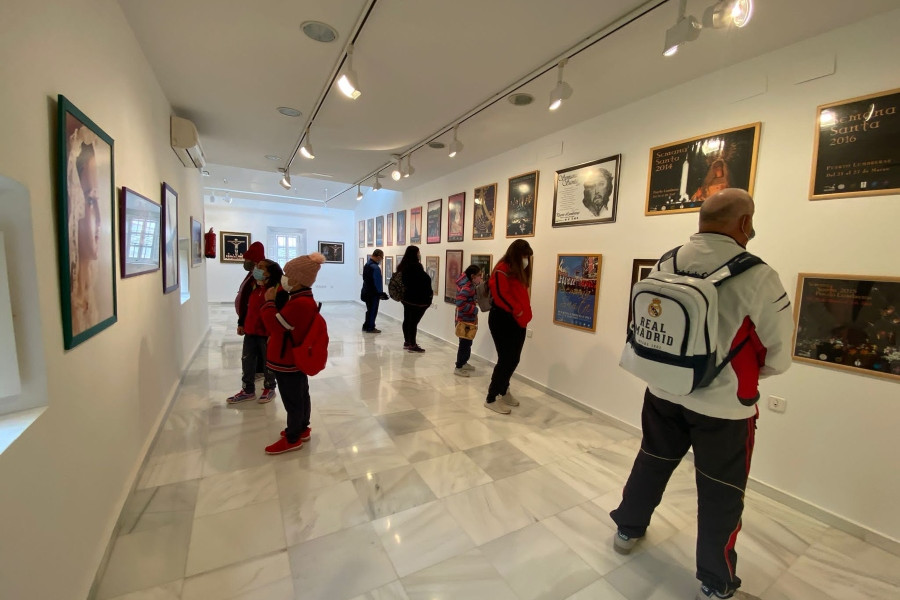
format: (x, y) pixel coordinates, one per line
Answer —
(256, 252)
(303, 269)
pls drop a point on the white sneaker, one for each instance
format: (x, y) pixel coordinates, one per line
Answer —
(468, 367)
(498, 407)
(461, 372)
(510, 399)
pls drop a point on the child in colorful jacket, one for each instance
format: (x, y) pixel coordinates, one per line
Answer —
(466, 312)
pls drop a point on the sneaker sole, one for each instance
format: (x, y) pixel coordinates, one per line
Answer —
(297, 447)
(497, 407)
(511, 402)
(230, 401)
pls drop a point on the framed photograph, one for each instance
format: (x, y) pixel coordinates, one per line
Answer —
(685, 173)
(362, 234)
(196, 243)
(434, 221)
(401, 227)
(640, 268)
(232, 246)
(577, 285)
(87, 253)
(170, 238)
(332, 251)
(484, 262)
(362, 263)
(485, 212)
(139, 226)
(456, 217)
(848, 322)
(433, 268)
(521, 205)
(587, 194)
(857, 149)
(415, 225)
(452, 271)
(370, 232)
(389, 229)
(388, 269)
(379, 231)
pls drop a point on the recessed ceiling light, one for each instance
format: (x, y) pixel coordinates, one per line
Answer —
(520, 99)
(289, 112)
(318, 31)
(273, 157)
(437, 145)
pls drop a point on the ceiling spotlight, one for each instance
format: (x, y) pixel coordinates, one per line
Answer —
(348, 81)
(377, 185)
(397, 173)
(288, 111)
(286, 180)
(455, 145)
(318, 31)
(728, 12)
(685, 29)
(410, 170)
(359, 193)
(306, 148)
(562, 91)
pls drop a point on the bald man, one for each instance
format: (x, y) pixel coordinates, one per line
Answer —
(719, 420)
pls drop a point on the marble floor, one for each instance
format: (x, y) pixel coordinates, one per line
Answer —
(411, 489)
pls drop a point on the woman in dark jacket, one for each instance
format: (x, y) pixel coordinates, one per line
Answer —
(417, 295)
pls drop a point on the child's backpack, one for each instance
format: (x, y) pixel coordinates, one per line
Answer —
(396, 289)
(483, 296)
(671, 341)
(311, 354)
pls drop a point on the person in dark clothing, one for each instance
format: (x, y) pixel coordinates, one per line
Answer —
(255, 253)
(509, 284)
(417, 295)
(372, 291)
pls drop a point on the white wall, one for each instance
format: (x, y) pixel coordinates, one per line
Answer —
(835, 446)
(335, 282)
(65, 479)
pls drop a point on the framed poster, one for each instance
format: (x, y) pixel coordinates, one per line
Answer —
(452, 271)
(485, 212)
(577, 285)
(362, 263)
(196, 243)
(362, 234)
(415, 225)
(139, 223)
(857, 149)
(484, 262)
(87, 253)
(640, 268)
(332, 251)
(389, 229)
(683, 174)
(456, 217)
(379, 230)
(370, 232)
(432, 267)
(521, 205)
(434, 221)
(848, 322)
(232, 246)
(401, 227)
(170, 238)
(388, 269)
(587, 194)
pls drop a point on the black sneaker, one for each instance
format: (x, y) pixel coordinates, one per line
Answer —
(415, 348)
(372, 330)
(708, 592)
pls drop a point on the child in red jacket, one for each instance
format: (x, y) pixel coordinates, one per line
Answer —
(288, 326)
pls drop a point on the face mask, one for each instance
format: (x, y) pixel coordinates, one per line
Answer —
(258, 274)
(285, 284)
(524, 263)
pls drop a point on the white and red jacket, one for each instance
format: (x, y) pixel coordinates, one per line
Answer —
(752, 304)
(510, 294)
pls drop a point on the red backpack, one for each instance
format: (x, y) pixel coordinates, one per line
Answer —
(311, 354)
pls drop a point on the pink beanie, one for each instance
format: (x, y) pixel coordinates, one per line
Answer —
(256, 252)
(303, 269)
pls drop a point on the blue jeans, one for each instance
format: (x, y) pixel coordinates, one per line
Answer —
(464, 352)
(371, 313)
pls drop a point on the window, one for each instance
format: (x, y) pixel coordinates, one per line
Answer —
(140, 240)
(184, 269)
(285, 244)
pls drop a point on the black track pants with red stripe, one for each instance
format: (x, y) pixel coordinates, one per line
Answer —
(722, 451)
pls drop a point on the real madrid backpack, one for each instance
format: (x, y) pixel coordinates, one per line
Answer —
(672, 335)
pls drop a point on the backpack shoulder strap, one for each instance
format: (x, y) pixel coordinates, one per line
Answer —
(735, 266)
(664, 260)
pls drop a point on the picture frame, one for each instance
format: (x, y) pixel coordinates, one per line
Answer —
(379, 231)
(587, 194)
(415, 225)
(640, 268)
(521, 205)
(170, 238)
(388, 269)
(453, 268)
(196, 243)
(456, 217)
(140, 219)
(576, 290)
(362, 263)
(848, 322)
(232, 245)
(87, 196)
(332, 251)
(434, 221)
(484, 262)
(370, 232)
(433, 268)
(682, 174)
(485, 212)
(362, 234)
(401, 227)
(389, 229)
(857, 147)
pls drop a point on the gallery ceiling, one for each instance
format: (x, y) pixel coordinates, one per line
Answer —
(422, 66)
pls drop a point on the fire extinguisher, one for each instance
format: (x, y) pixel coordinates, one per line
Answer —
(210, 243)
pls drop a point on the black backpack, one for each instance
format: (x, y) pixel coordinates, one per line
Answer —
(396, 289)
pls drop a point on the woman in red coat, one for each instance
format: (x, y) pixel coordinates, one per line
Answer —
(511, 313)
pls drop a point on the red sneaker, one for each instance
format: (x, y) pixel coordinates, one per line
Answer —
(282, 446)
(304, 437)
(266, 396)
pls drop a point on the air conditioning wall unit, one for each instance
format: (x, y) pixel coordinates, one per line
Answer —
(186, 143)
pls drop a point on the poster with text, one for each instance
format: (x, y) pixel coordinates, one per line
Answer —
(483, 262)
(432, 267)
(401, 227)
(521, 205)
(362, 234)
(415, 225)
(379, 231)
(456, 217)
(389, 229)
(453, 269)
(370, 232)
(484, 212)
(575, 296)
(434, 221)
(587, 194)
